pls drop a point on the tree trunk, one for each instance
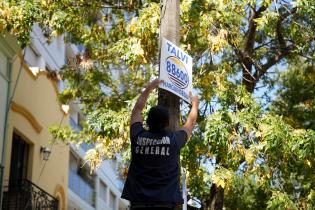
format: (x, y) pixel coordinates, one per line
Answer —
(216, 197)
(169, 29)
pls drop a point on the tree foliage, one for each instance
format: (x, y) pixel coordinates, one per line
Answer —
(261, 158)
(296, 96)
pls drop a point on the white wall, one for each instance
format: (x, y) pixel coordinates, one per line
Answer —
(109, 176)
(42, 56)
(107, 173)
(48, 56)
(76, 203)
(51, 55)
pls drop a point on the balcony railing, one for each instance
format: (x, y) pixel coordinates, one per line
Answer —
(80, 187)
(1, 177)
(27, 196)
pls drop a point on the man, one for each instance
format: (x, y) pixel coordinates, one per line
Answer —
(153, 176)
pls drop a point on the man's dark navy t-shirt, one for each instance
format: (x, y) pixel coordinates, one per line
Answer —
(153, 175)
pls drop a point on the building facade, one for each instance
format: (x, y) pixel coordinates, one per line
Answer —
(35, 171)
(98, 191)
(37, 174)
(8, 51)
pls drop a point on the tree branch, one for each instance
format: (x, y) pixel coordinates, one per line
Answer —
(251, 32)
(280, 54)
(283, 49)
(263, 45)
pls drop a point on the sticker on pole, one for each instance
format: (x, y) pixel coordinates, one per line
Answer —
(175, 70)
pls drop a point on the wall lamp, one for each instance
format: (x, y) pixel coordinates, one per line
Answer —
(46, 152)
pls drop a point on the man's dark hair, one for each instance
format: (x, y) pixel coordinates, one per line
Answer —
(158, 118)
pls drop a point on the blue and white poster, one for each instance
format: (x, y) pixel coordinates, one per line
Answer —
(175, 70)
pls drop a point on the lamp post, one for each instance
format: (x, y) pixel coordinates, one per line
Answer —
(45, 152)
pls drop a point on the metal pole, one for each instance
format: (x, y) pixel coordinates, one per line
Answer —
(184, 190)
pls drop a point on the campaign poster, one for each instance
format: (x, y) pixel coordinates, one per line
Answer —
(175, 70)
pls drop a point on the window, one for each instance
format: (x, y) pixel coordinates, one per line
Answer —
(80, 181)
(19, 160)
(112, 198)
(103, 191)
(74, 163)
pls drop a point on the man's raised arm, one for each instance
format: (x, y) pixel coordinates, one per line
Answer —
(192, 116)
(137, 109)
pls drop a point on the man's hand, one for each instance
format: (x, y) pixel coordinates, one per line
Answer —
(194, 100)
(137, 109)
(192, 116)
